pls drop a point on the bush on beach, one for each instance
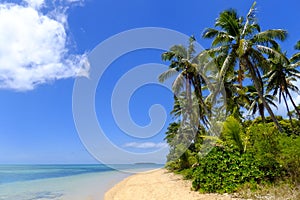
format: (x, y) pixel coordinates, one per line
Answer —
(261, 155)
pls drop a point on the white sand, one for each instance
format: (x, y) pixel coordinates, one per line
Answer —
(157, 185)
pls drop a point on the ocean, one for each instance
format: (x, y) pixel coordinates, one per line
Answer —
(62, 182)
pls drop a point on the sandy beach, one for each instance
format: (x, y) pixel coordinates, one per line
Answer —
(157, 185)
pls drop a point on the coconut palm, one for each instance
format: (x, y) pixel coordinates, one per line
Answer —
(242, 45)
(256, 103)
(184, 66)
(281, 77)
(181, 64)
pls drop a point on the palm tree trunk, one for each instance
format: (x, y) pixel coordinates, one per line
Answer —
(261, 109)
(295, 106)
(259, 90)
(288, 109)
(202, 107)
(262, 92)
(188, 95)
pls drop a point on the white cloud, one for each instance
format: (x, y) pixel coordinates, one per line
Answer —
(75, 1)
(146, 145)
(35, 3)
(33, 48)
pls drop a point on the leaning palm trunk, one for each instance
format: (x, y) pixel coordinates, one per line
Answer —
(257, 86)
(296, 108)
(288, 109)
(203, 110)
(188, 95)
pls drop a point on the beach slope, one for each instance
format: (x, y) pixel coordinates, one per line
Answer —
(157, 185)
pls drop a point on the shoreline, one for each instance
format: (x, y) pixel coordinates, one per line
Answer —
(158, 184)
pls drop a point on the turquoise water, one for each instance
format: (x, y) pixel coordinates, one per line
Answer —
(61, 182)
(16, 173)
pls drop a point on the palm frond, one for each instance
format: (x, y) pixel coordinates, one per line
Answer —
(208, 137)
(253, 107)
(178, 84)
(269, 51)
(229, 21)
(167, 56)
(297, 46)
(270, 100)
(295, 65)
(191, 48)
(251, 30)
(179, 51)
(273, 44)
(268, 35)
(229, 62)
(250, 18)
(222, 38)
(217, 50)
(210, 33)
(295, 57)
(167, 74)
(258, 58)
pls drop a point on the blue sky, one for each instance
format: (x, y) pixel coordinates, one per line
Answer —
(44, 47)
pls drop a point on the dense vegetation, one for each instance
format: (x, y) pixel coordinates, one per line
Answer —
(225, 134)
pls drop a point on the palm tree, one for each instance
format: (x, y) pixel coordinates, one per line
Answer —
(241, 43)
(171, 133)
(184, 66)
(256, 103)
(237, 97)
(295, 62)
(181, 64)
(281, 77)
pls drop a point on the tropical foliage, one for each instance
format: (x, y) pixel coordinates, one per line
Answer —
(225, 133)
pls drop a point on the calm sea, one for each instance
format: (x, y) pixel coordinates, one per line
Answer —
(61, 182)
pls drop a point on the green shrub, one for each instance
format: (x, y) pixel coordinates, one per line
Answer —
(264, 145)
(187, 173)
(246, 156)
(172, 165)
(224, 170)
(232, 133)
(289, 157)
(185, 159)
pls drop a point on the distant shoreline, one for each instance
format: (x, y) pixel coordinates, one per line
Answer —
(146, 163)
